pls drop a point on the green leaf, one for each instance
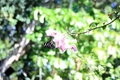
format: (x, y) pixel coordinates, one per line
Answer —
(39, 61)
(93, 24)
(104, 27)
(35, 58)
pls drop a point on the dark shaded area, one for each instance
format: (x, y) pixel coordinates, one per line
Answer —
(9, 71)
(116, 62)
(105, 75)
(1, 62)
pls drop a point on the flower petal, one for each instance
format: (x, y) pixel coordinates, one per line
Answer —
(60, 40)
(73, 47)
(63, 48)
(51, 32)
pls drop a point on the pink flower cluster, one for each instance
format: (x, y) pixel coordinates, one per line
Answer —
(60, 40)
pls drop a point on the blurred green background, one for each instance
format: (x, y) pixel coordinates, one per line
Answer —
(98, 56)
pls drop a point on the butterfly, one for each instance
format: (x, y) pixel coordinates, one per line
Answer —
(49, 44)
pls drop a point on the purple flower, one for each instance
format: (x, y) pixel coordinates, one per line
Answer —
(60, 40)
(73, 47)
(51, 32)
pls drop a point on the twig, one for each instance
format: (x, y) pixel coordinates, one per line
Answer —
(94, 27)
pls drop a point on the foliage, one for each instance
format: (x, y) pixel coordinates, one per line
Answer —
(98, 52)
(90, 61)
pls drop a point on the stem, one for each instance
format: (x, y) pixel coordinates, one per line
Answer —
(1, 76)
(94, 28)
(40, 73)
(70, 4)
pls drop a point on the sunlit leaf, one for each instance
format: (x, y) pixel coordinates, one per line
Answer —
(93, 24)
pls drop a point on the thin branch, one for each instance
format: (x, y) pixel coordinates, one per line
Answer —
(93, 28)
(40, 73)
(70, 4)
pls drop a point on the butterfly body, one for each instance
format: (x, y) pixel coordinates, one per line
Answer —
(49, 44)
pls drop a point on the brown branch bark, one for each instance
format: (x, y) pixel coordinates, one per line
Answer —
(19, 49)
